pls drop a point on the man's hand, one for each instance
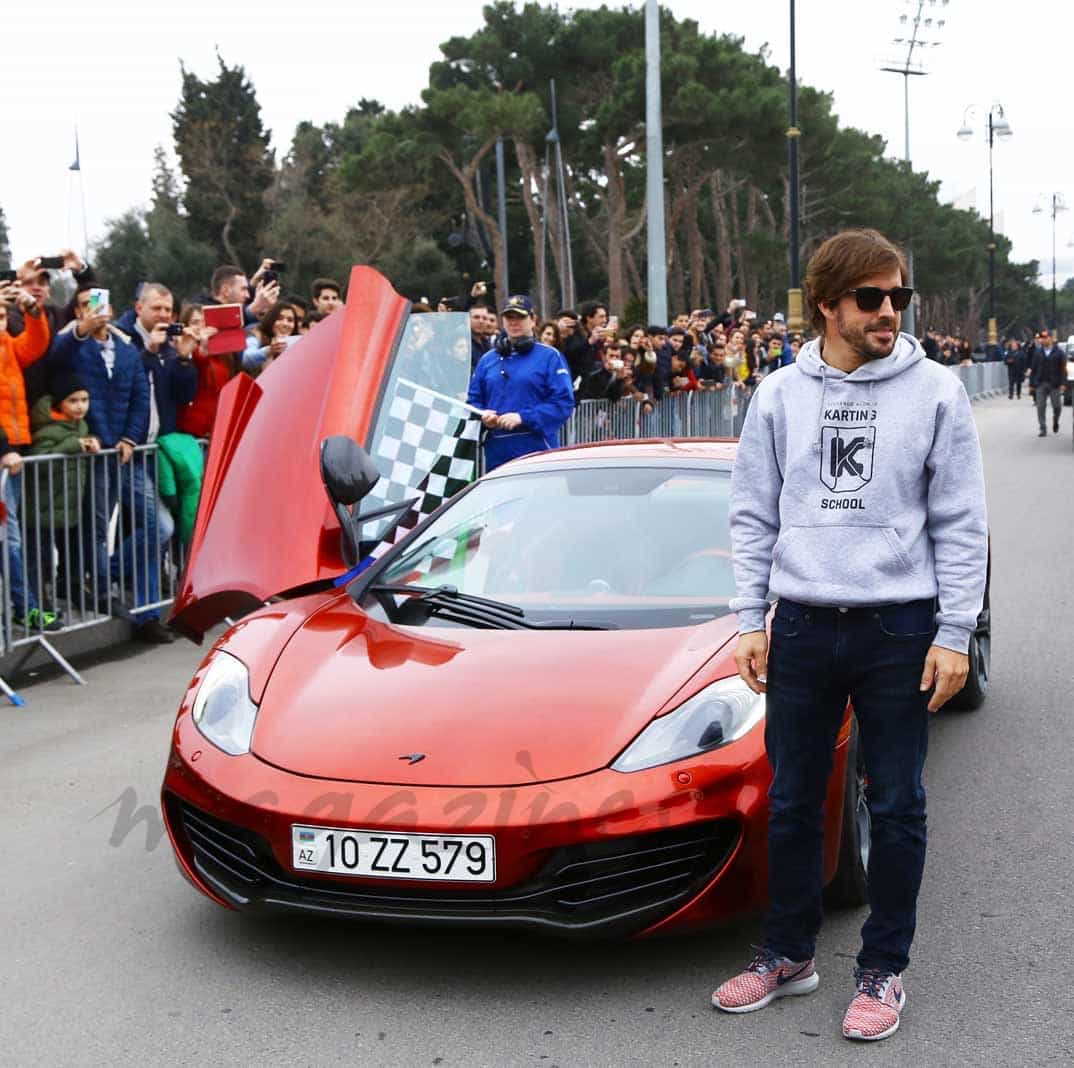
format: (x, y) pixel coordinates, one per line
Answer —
(509, 421)
(947, 670)
(72, 261)
(12, 461)
(125, 450)
(89, 444)
(186, 343)
(91, 323)
(158, 336)
(265, 297)
(490, 419)
(266, 263)
(751, 656)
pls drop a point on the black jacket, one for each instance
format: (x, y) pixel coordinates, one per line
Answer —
(1049, 368)
(602, 384)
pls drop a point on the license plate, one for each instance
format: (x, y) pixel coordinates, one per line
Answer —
(469, 858)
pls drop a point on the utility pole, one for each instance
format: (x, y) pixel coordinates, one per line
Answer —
(914, 26)
(794, 293)
(503, 281)
(654, 169)
(1058, 204)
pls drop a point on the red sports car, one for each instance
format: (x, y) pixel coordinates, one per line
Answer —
(520, 710)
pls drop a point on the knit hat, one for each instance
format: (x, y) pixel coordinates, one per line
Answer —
(64, 383)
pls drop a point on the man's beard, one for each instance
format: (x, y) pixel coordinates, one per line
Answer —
(862, 339)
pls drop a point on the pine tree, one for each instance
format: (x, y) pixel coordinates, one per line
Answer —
(224, 152)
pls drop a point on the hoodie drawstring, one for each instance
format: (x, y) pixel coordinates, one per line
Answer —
(820, 411)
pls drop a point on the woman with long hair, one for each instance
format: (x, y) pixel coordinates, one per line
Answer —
(548, 334)
(271, 336)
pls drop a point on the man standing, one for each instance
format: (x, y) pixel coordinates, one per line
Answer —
(1048, 378)
(112, 370)
(480, 332)
(858, 500)
(326, 294)
(1014, 358)
(523, 387)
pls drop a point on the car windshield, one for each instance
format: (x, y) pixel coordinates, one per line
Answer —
(430, 368)
(623, 547)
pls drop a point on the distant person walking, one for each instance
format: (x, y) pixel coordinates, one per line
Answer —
(1048, 380)
(1015, 359)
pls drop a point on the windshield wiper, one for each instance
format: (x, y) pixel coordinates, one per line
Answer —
(449, 602)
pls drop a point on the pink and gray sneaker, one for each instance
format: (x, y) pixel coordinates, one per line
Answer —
(766, 978)
(874, 1012)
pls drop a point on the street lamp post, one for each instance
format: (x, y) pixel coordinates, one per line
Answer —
(998, 126)
(1058, 205)
(794, 292)
(918, 28)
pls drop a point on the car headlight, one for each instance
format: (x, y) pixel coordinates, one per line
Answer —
(719, 714)
(222, 708)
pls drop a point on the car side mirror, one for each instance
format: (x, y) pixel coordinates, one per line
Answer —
(347, 471)
(349, 475)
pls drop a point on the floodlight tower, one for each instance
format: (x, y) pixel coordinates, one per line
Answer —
(1056, 205)
(919, 27)
(998, 126)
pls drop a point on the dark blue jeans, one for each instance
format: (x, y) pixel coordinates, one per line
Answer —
(145, 531)
(820, 657)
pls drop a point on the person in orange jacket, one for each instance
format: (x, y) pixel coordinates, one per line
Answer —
(15, 354)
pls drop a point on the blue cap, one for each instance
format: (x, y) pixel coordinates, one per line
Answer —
(519, 304)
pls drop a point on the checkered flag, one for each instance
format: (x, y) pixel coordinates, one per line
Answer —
(428, 450)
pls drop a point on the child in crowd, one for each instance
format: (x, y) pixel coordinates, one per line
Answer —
(54, 498)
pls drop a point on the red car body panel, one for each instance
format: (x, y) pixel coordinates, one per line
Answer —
(272, 529)
(350, 694)
(513, 749)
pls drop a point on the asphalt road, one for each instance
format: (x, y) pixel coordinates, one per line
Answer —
(108, 957)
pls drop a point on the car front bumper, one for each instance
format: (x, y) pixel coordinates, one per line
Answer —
(603, 854)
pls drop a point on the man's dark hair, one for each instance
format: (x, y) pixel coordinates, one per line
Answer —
(841, 263)
(223, 275)
(567, 313)
(589, 308)
(321, 284)
(314, 317)
(299, 302)
(654, 329)
(676, 331)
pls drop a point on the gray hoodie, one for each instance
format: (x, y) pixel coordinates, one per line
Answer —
(858, 489)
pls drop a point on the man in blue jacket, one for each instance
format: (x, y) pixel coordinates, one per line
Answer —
(169, 365)
(112, 371)
(523, 387)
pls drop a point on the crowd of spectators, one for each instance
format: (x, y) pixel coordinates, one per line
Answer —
(84, 379)
(699, 351)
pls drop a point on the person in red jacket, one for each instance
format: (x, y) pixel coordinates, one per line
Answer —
(15, 354)
(214, 372)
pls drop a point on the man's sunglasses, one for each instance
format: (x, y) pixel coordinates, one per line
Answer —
(870, 298)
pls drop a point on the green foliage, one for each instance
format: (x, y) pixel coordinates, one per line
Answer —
(226, 159)
(413, 192)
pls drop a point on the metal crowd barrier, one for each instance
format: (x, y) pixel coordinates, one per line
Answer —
(94, 542)
(713, 414)
(698, 414)
(983, 379)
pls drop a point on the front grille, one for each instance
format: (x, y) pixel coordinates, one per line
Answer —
(608, 888)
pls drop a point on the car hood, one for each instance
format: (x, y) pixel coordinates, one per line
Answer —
(264, 524)
(355, 699)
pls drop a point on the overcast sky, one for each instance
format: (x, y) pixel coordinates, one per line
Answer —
(113, 67)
